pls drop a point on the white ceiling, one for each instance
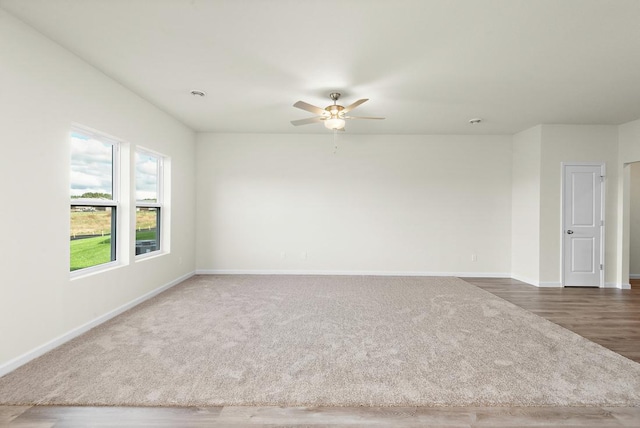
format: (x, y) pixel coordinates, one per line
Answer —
(428, 66)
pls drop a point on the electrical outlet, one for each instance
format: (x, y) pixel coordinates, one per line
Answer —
(303, 255)
(283, 255)
(474, 258)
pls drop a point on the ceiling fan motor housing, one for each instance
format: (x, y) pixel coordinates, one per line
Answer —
(334, 110)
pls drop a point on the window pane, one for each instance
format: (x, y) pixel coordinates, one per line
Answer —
(147, 230)
(147, 169)
(91, 168)
(92, 236)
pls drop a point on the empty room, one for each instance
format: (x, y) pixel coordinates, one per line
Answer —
(337, 213)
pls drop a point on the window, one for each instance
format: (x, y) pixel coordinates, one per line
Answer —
(94, 199)
(149, 192)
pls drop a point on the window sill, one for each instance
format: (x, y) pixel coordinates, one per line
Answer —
(93, 270)
(150, 255)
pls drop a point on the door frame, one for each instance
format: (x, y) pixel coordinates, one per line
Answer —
(603, 173)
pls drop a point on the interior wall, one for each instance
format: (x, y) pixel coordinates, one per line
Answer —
(629, 142)
(44, 89)
(581, 143)
(629, 152)
(525, 206)
(381, 204)
(634, 229)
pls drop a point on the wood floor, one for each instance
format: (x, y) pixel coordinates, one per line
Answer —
(609, 317)
(168, 417)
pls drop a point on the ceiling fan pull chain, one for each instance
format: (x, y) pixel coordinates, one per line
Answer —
(335, 141)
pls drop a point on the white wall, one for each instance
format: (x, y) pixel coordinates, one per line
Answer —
(525, 206)
(629, 141)
(629, 152)
(43, 89)
(582, 143)
(634, 230)
(381, 204)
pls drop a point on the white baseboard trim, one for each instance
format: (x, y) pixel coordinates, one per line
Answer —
(634, 275)
(348, 272)
(526, 280)
(559, 285)
(13, 364)
(549, 284)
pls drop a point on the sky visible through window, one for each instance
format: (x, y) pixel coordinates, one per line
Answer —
(146, 177)
(91, 166)
(92, 170)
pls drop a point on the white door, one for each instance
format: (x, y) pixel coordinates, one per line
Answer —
(582, 225)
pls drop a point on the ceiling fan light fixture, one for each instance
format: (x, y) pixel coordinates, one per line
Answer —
(333, 116)
(334, 123)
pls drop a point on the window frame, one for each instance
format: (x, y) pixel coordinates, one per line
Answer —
(159, 205)
(114, 203)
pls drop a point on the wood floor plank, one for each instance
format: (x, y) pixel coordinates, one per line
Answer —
(69, 416)
(555, 416)
(314, 415)
(629, 416)
(467, 417)
(30, 424)
(9, 413)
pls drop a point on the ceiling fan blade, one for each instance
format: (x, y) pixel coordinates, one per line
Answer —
(363, 117)
(306, 121)
(354, 105)
(308, 107)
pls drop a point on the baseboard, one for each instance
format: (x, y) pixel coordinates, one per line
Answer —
(526, 280)
(536, 283)
(616, 285)
(634, 276)
(42, 349)
(558, 284)
(549, 284)
(348, 272)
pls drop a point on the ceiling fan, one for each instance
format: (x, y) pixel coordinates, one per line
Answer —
(334, 116)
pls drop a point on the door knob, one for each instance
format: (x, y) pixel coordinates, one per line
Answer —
(569, 232)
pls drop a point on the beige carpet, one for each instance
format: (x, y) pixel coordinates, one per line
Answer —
(327, 341)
